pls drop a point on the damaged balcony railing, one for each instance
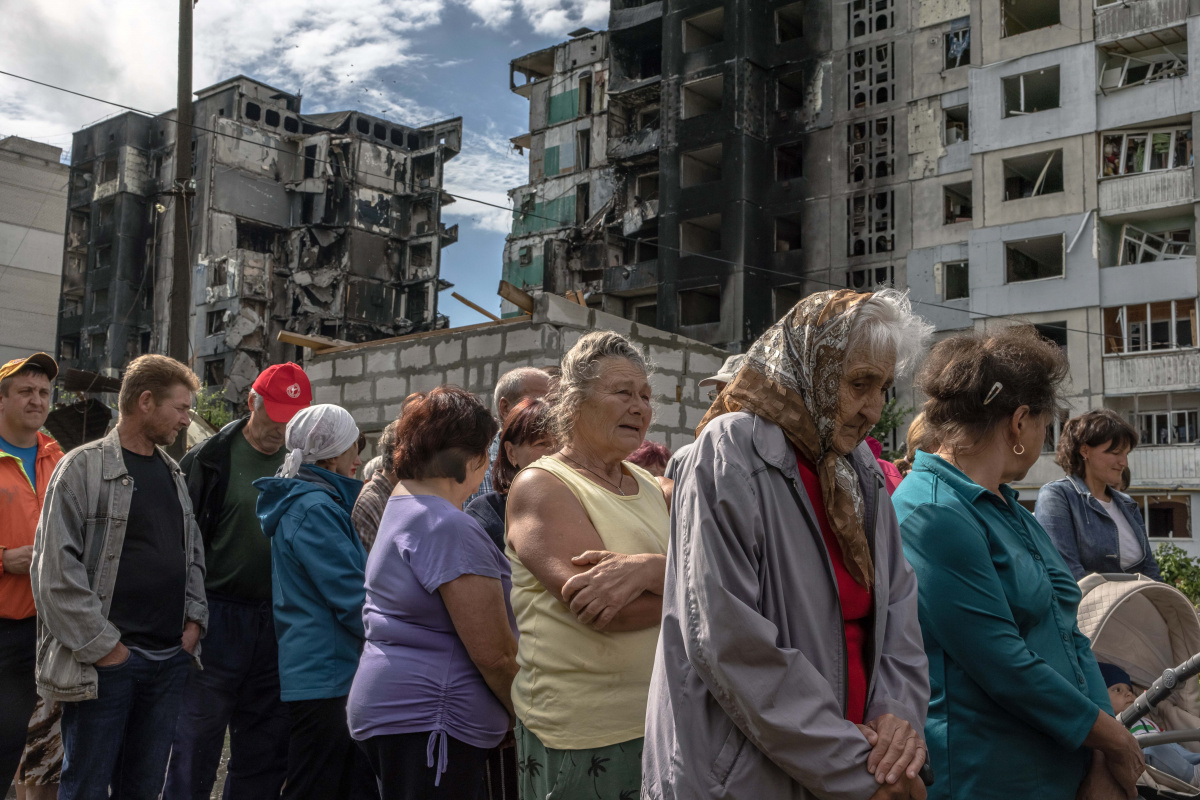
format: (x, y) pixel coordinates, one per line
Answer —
(1122, 70)
(1139, 246)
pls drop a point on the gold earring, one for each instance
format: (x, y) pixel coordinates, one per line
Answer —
(1017, 452)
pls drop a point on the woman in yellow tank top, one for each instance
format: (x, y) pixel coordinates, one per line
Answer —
(587, 537)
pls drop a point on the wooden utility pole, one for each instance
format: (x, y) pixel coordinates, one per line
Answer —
(180, 303)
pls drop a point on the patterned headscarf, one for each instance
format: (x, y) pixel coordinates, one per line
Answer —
(791, 377)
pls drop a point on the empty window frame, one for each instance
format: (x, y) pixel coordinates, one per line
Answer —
(956, 200)
(104, 212)
(864, 280)
(791, 90)
(291, 124)
(1035, 259)
(700, 306)
(955, 283)
(646, 187)
(583, 203)
(214, 372)
(789, 161)
(97, 344)
(1033, 175)
(1022, 16)
(214, 323)
(104, 255)
(68, 347)
(643, 311)
(1129, 63)
(871, 149)
(525, 255)
(702, 165)
(704, 29)
(1053, 331)
(218, 272)
(958, 119)
(870, 224)
(1170, 426)
(784, 298)
(1167, 516)
(788, 232)
(1139, 246)
(870, 78)
(701, 234)
(100, 301)
(789, 22)
(957, 48)
(1031, 92)
(585, 94)
(703, 96)
(108, 169)
(272, 118)
(1130, 152)
(648, 117)
(583, 149)
(1143, 327)
(869, 16)
(253, 111)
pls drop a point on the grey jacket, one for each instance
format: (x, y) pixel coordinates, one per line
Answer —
(76, 555)
(748, 694)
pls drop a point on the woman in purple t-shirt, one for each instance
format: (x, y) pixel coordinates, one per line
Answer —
(432, 694)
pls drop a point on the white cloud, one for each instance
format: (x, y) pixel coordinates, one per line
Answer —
(557, 17)
(485, 170)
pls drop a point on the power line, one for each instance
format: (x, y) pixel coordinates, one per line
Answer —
(680, 251)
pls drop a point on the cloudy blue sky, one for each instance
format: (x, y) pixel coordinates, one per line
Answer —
(412, 61)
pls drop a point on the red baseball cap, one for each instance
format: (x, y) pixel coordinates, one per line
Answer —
(284, 389)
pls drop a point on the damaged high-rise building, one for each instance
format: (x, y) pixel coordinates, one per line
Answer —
(326, 224)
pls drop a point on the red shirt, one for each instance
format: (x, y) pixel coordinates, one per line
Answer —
(856, 600)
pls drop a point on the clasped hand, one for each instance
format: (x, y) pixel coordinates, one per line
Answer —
(598, 595)
(897, 755)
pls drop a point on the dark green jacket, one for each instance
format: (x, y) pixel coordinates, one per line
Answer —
(1014, 686)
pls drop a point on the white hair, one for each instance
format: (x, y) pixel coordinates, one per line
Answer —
(511, 386)
(581, 370)
(255, 401)
(885, 323)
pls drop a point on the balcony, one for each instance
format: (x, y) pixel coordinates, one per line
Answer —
(1146, 191)
(1171, 371)
(1118, 20)
(1166, 466)
(634, 144)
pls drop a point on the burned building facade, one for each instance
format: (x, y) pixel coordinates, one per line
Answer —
(326, 224)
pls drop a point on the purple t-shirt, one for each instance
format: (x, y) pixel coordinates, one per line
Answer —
(415, 674)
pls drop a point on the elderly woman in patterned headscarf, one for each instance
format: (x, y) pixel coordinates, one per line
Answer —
(790, 662)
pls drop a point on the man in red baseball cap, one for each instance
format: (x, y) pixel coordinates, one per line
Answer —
(239, 686)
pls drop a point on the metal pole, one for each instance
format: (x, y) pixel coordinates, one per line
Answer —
(180, 305)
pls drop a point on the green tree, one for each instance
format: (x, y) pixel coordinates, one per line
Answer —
(212, 405)
(1180, 570)
(891, 418)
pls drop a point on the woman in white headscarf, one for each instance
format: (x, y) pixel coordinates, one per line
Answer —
(317, 564)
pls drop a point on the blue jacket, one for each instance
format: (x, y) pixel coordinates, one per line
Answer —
(1015, 688)
(1085, 534)
(317, 581)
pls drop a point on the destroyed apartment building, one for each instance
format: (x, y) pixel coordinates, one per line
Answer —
(325, 224)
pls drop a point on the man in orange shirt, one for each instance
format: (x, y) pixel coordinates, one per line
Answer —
(27, 458)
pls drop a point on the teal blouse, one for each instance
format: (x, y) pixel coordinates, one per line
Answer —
(1014, 686)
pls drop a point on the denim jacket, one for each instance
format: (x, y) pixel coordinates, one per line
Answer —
(1085, 534)
(76, 555)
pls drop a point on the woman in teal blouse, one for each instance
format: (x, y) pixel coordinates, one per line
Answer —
(1018, 707)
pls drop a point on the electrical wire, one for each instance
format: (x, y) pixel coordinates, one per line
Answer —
(798, 277)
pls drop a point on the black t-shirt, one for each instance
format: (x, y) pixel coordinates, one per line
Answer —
(148, 599)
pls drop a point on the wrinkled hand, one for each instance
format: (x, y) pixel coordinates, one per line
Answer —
(1099, 783)
(897, 750)
(1121, 755)
(17, 560)
(598, 595)
(191, 637)
(118, 655)
(904, 789)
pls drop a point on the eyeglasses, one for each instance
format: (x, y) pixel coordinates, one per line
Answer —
(712, 394)
(362, 443)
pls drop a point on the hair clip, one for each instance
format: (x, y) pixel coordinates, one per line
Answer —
(995, 390)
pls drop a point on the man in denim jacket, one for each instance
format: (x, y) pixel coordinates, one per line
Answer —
(118, 579)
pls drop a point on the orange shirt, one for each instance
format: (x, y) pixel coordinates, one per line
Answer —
(20, 507)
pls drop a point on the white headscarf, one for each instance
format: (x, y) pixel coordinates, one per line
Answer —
(316, 433)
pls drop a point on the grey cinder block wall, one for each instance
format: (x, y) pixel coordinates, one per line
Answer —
(372, 380)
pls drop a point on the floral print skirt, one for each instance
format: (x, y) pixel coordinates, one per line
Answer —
(41, 764)
(601, 773)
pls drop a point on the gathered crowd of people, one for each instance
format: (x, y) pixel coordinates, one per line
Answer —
(542, 603)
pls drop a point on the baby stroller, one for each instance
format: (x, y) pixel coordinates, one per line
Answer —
(1152, 631)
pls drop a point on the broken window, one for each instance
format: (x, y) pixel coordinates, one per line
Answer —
(1030, 92)
(104, 212)
(100, 301)
(68, 347)
(870, 78)
(1129, 152)
(957, 202)
(789, 22)
(646, 250)
(1022, 16)
(272, 118)
(291, 124)
(864, 280)
(420, 257)
(214, 323)
(525, 256)
(108, 169)
(703, 96)
(1054, 332)
(702, 165)
(583, 203)
(71, 306)
(957, 124)
(97, 344)
(869, 16)
(414, 141)
(1139, 246)
(583, 149)
(255, 237)
(104, 257)
(700, 306)
(1130, 62)
(787, 232)
(1033, 175)
(253, 111)
(789, 161)
(701, 234)
(1034, 259)
(958, 48)
(218, 272)
(81, 176)
(381, 131)
(646, 187)
(424, 169)
(871, 149)
(955, 280)
(790, 91)
(645, 312)
(214, 372)
(397, 137)
(704, 29)
(585, 94)
(784, 299)
(362, 126)
(77, 230)
(870, 224)
(648, 118)
(1150, 326)
(75, 264)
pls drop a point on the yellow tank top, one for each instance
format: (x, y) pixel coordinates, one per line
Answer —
(579, 688)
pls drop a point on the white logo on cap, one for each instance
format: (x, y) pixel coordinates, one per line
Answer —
(293, 391)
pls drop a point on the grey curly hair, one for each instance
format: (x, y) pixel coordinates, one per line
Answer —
(581, 369)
